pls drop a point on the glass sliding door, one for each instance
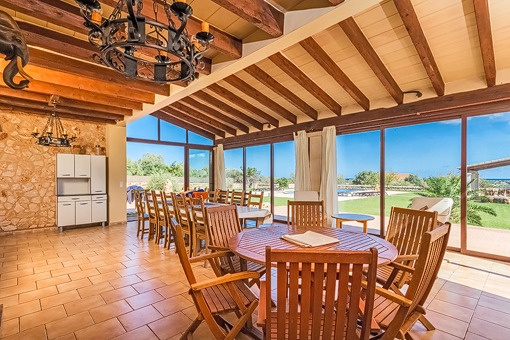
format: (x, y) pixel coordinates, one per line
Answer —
(358, 163)
(424, 160)
(199, 169)
(488, 180)
(258, 171)
(234, 168)
(284, 174)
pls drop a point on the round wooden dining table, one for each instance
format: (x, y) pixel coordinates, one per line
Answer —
(251, 244)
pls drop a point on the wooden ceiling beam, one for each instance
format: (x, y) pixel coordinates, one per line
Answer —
(64, 64)
(182, 123)
(211, 112)
(67, 115)
(30, 104)
(70, 46)
(336, 2)
(330, 66)
(257, 12)
(481, 101)
(412, 24)
(483, 24)
(220, 105)
(368, 53)
(250, 91)
(75, 104)
(81, 95)
(308, 84)
(257, 73)
(192, 120)
(191, 112)
(223, 42)
(234, 99)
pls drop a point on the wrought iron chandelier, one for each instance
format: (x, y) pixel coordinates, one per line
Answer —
(147, 49)
(53, 133)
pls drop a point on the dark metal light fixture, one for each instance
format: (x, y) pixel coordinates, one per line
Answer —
(53, 133)
(147, 49)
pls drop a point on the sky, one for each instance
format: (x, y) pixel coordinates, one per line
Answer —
(431, 149)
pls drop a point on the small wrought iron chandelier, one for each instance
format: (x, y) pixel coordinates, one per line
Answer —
(147, 49)
(53, 133)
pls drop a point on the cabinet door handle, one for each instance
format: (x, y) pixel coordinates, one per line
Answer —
(99, 202)
(98, 191)
(83, 175)
(83, 203)
(66, 175)
(74, 199)
(65, 205)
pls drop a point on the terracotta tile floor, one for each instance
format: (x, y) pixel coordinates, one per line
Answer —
(101, 283)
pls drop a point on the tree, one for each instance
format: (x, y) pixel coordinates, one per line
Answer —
(253, 176)
(391, 178)
(414, 180)
(133, 168)
(176, 169)
(366, 177)
(235, 174)
(282, 182)
(449, 186)
(340, 179)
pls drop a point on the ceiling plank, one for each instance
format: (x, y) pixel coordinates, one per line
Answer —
(223, 42)
(231, 97)
(199, 115)
(257, 73)
(183, 124)
(45, 112)
(330, 66)
(368, 53)
(412, 24)
(61, 63)
(257, 12)
(30, 104)
(336, 2)
(67, 45)
(83, 83)
(82, 95)
(483, 23)
(220, 105)
(190, 102)
(250, 91)
(481, 101)
(308, 84)
(192, 120)
(70, 103)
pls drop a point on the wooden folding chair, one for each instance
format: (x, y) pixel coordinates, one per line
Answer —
(223, 223)
(254, 200)
(396, 312)
(405, 231)
(237, 197)
(151, 211)
(141, 216)
(320, 295)
(183, 214)
(306, 214)
(169, 213)
(199, 224)
(216, 297)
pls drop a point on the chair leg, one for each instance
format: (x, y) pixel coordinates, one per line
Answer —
(428, 325)
(192, 328)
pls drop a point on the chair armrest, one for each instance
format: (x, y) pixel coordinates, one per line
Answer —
(210, 256)
(218, 248)
(224, 279)
(401, 300)
(402, 267)
(405, 258)
(262, 312)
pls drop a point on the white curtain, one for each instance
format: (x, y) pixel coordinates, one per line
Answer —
(328, 191)
(302, 181)
(220, 181)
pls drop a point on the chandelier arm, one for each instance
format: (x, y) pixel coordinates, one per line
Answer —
(132, 17)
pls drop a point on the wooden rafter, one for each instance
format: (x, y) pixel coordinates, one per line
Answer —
(482, 101)
(483, 23)
(67, 45)
(223, 43)
(234, 113)
(72, 66)
(66, 115)
(368, 53)
(249, 90)
(43, 98)
(257, 73)
(179, 122)
(192, 120)
(234, 99)
(191, 112)
(211, 112)
(257, 12)
(412, 24)
(308, 84)
(329, 65)
(336, 2)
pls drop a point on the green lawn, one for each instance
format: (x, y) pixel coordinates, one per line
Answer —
(370, 206)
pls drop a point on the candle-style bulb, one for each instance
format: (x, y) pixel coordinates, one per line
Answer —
(205, 27)
(35, 130)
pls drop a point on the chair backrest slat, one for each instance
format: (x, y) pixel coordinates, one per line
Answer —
(237, 197)
(306, 214)
(255, 200)
(139, 202)
(222, 223)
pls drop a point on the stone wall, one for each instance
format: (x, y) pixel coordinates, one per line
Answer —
(27, 170)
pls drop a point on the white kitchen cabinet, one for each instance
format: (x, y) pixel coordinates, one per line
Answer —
(97, 174)
(65, 165)
(84, 212)
(99, 208)
(66, 212)
(82, 166)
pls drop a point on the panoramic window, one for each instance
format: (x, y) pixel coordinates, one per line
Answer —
(488, 179)
(199, 169)
(172, 133)
(423, 161)
(234, 168)
(145, 128)
(284, 175)
(258, 169)
(193, 138)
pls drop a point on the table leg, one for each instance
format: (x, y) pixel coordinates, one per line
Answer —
(365, 226)
(339, 223)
